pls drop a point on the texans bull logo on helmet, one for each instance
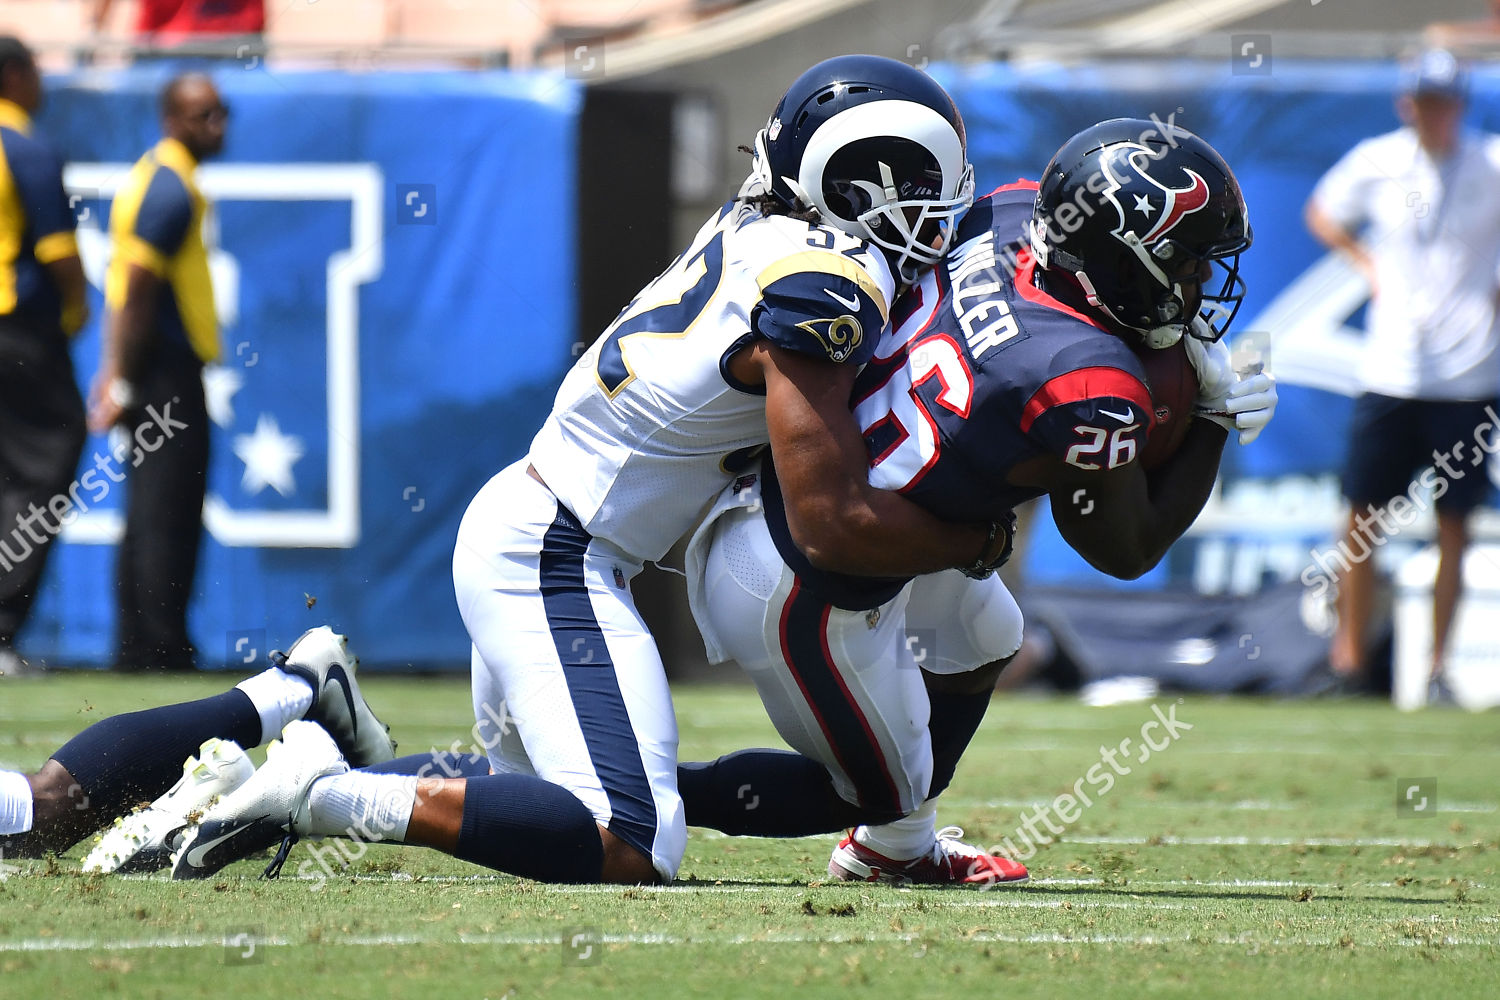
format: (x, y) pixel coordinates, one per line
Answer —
(1176, 204)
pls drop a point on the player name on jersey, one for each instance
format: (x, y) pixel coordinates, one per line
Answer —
(978, 282)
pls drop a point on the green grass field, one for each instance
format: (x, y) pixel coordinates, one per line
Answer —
(1261, 854)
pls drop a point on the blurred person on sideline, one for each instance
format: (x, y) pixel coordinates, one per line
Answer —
(42, 304)
(1418, 212)
(160, 331)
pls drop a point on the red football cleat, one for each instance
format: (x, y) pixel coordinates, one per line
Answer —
(952, 862)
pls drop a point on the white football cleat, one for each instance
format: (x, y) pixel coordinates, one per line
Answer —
(322, 658)
(144, 840)
(262, 811)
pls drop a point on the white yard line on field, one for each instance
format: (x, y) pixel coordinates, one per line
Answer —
(733, 888)
(241, 942)
(1170, 841)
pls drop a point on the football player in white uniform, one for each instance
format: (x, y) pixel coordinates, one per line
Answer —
(752, 337)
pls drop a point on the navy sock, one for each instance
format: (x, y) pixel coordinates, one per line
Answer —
(768, 793)
(438, 764)
(955, 718)
(525, 826)
(128, 759)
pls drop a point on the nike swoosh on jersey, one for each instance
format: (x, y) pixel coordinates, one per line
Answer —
(851, 304)
(1127, 417)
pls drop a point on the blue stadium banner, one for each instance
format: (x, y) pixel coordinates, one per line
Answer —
(394, 266)
(1280, 129)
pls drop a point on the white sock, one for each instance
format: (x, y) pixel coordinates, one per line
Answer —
(361, 805)
(279, 698)
(909, 837)
(15, 802)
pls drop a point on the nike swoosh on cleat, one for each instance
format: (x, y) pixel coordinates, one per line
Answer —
(336, 675)
(851, 304)
(198, 853)
(1127, 417)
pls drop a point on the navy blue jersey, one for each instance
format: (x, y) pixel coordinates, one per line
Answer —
(982, 370)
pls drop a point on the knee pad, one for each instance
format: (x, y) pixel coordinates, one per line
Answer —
(993, 621)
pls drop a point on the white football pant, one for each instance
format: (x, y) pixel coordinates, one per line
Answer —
(842, 687)
(567, 680)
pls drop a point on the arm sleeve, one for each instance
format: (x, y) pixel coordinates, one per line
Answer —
(1344, 192)
(1091, 417)
(161, 222)
(38, 179)
(823, 304)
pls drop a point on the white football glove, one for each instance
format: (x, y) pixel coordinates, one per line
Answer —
(1241, 405)
(1247, 407)
(1210, 359)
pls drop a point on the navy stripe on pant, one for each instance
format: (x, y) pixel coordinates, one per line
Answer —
(804, 628)
(592, 683)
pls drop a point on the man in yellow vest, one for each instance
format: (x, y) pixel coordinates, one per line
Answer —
(160, 331)
(41, 306)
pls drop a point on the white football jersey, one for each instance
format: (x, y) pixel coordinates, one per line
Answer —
(649, 425)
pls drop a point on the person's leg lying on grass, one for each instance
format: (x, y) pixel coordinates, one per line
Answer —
(127, 760)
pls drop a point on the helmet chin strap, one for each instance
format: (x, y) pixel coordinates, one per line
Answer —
(1162, 337)
(1156, 338)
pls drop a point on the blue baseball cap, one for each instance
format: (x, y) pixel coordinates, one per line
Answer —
(1437, 72)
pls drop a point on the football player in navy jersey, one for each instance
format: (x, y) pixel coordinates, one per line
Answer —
(1009, 373)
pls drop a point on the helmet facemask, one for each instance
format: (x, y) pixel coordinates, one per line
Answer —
(1175, 314)
(917, 231)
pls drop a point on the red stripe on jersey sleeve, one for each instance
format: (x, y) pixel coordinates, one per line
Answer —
(1082, 384)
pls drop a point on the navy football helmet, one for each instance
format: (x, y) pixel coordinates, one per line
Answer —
(1140, 213)
(878, 150)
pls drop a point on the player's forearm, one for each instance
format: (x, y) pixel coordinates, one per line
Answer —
(1125, 524)
(839, 521)
(1180, 489)
(1334, 236)
(880, 533)
(129, 333)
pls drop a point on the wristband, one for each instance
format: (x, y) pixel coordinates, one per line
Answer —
(980, 567)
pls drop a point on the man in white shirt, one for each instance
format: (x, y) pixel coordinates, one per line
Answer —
(1418, 211)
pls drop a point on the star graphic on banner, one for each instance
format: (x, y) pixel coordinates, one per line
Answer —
(220, 383)
(269, 456)
(1143, 204)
